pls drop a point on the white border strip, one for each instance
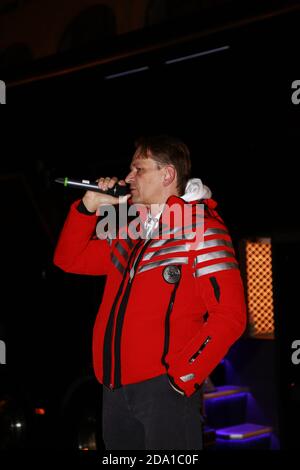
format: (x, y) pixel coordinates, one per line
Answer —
(127, 72)
(199, 54)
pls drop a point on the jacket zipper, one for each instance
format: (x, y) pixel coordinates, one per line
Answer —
(203, 345)
(121, 315)
(167, 324)
(107, 353)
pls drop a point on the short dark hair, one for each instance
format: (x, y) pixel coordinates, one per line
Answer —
(167, 150)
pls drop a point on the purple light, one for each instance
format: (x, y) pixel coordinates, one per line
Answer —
(244, 439)
(227, 397)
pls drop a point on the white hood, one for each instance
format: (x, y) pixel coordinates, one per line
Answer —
(196, 190)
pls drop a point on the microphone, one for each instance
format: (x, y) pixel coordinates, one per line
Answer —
(116, 191)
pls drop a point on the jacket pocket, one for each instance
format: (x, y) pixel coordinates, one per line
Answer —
(199, 351)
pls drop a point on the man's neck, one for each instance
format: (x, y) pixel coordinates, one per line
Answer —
(156, 208)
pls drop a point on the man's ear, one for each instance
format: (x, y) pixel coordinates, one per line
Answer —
(169, 175)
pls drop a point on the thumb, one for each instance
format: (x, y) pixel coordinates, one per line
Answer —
(123, 199)
(119, 200)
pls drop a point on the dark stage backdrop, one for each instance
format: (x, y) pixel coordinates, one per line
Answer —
(232, 107)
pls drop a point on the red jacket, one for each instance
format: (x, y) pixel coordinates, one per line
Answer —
(168, 305)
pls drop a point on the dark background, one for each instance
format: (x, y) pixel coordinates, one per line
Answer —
(233, 109)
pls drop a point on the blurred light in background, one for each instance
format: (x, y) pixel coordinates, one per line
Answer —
(259, 282)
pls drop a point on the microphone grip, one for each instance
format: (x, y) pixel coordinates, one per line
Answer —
(116, 191)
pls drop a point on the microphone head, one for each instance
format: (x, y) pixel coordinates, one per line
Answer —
(116, 191)
(120, 190)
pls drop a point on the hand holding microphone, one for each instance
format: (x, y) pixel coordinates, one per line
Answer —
(93, 200)
(105, 191)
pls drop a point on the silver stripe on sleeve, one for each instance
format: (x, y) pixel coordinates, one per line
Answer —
(172, 249)
(213, 255)
(181, 229)
(159, 243)
(213, 243)
(207, 233)
(215, 231)
(214, 268)
(164, 262)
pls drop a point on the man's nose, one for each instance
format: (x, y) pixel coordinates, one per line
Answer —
(130, 177)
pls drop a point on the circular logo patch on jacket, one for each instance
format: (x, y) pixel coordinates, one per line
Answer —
(171, 274)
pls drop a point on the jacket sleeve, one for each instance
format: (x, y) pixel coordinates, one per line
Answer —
(221, 290)
(77, 251)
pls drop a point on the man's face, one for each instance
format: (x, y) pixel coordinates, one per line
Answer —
(146, 180)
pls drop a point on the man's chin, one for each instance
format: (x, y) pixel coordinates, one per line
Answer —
(136, 199)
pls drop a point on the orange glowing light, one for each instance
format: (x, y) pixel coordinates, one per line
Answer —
(260, 287)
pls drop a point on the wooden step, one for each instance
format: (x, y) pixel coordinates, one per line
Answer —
(224, 391)
(242, 431)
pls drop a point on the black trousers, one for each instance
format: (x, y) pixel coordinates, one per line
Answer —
(151, 415)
